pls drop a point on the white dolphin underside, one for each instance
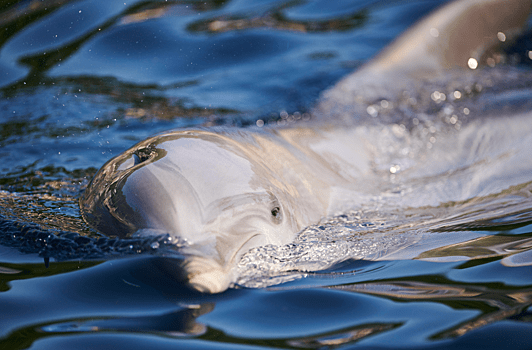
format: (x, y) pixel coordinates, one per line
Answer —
(412, 131)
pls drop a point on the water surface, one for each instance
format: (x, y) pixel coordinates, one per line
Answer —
(82, 81)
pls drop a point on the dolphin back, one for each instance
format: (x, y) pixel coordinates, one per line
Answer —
(462, 36)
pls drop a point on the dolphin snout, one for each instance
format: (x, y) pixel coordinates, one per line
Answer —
(206, 275)
(210, 266)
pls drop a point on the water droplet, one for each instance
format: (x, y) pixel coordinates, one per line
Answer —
(453, 119)
(472, 63)
(437, 96)
(394, 169)
(372, 111)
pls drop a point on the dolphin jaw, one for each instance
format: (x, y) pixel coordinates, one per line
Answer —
(207, 275)
(208, 270)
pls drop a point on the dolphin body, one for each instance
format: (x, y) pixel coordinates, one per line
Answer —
(219, 192)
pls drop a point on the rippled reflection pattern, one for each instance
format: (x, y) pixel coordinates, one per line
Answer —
(82, 81)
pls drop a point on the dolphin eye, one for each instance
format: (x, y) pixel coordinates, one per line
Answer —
(277, 215)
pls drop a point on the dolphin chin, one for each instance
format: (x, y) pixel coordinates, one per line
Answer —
(206, 275)
(208, 272)
(223, 191)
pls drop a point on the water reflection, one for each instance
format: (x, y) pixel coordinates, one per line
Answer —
(10, 272)
(175, 324)
(274, 18)
(343, 337)
(483, 247)
(17, 17)
(53, 52)
(495, 303)
(162, 308)
(134, 295)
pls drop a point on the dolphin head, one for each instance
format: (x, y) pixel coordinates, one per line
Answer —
(206, 190)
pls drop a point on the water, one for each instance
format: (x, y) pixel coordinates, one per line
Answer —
(83, 81)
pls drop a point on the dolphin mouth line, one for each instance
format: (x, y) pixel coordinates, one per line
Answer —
(238, 251)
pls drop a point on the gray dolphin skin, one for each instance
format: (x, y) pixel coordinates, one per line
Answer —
(219, 192)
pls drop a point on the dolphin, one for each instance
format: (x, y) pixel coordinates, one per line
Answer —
(219, 192)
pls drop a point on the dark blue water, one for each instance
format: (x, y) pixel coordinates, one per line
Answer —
(82, 81)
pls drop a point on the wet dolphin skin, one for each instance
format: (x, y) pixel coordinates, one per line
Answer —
(222, 191)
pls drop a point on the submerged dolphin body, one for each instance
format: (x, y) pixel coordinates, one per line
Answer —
(221, 192)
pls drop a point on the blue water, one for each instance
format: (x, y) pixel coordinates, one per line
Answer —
(82, 81)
